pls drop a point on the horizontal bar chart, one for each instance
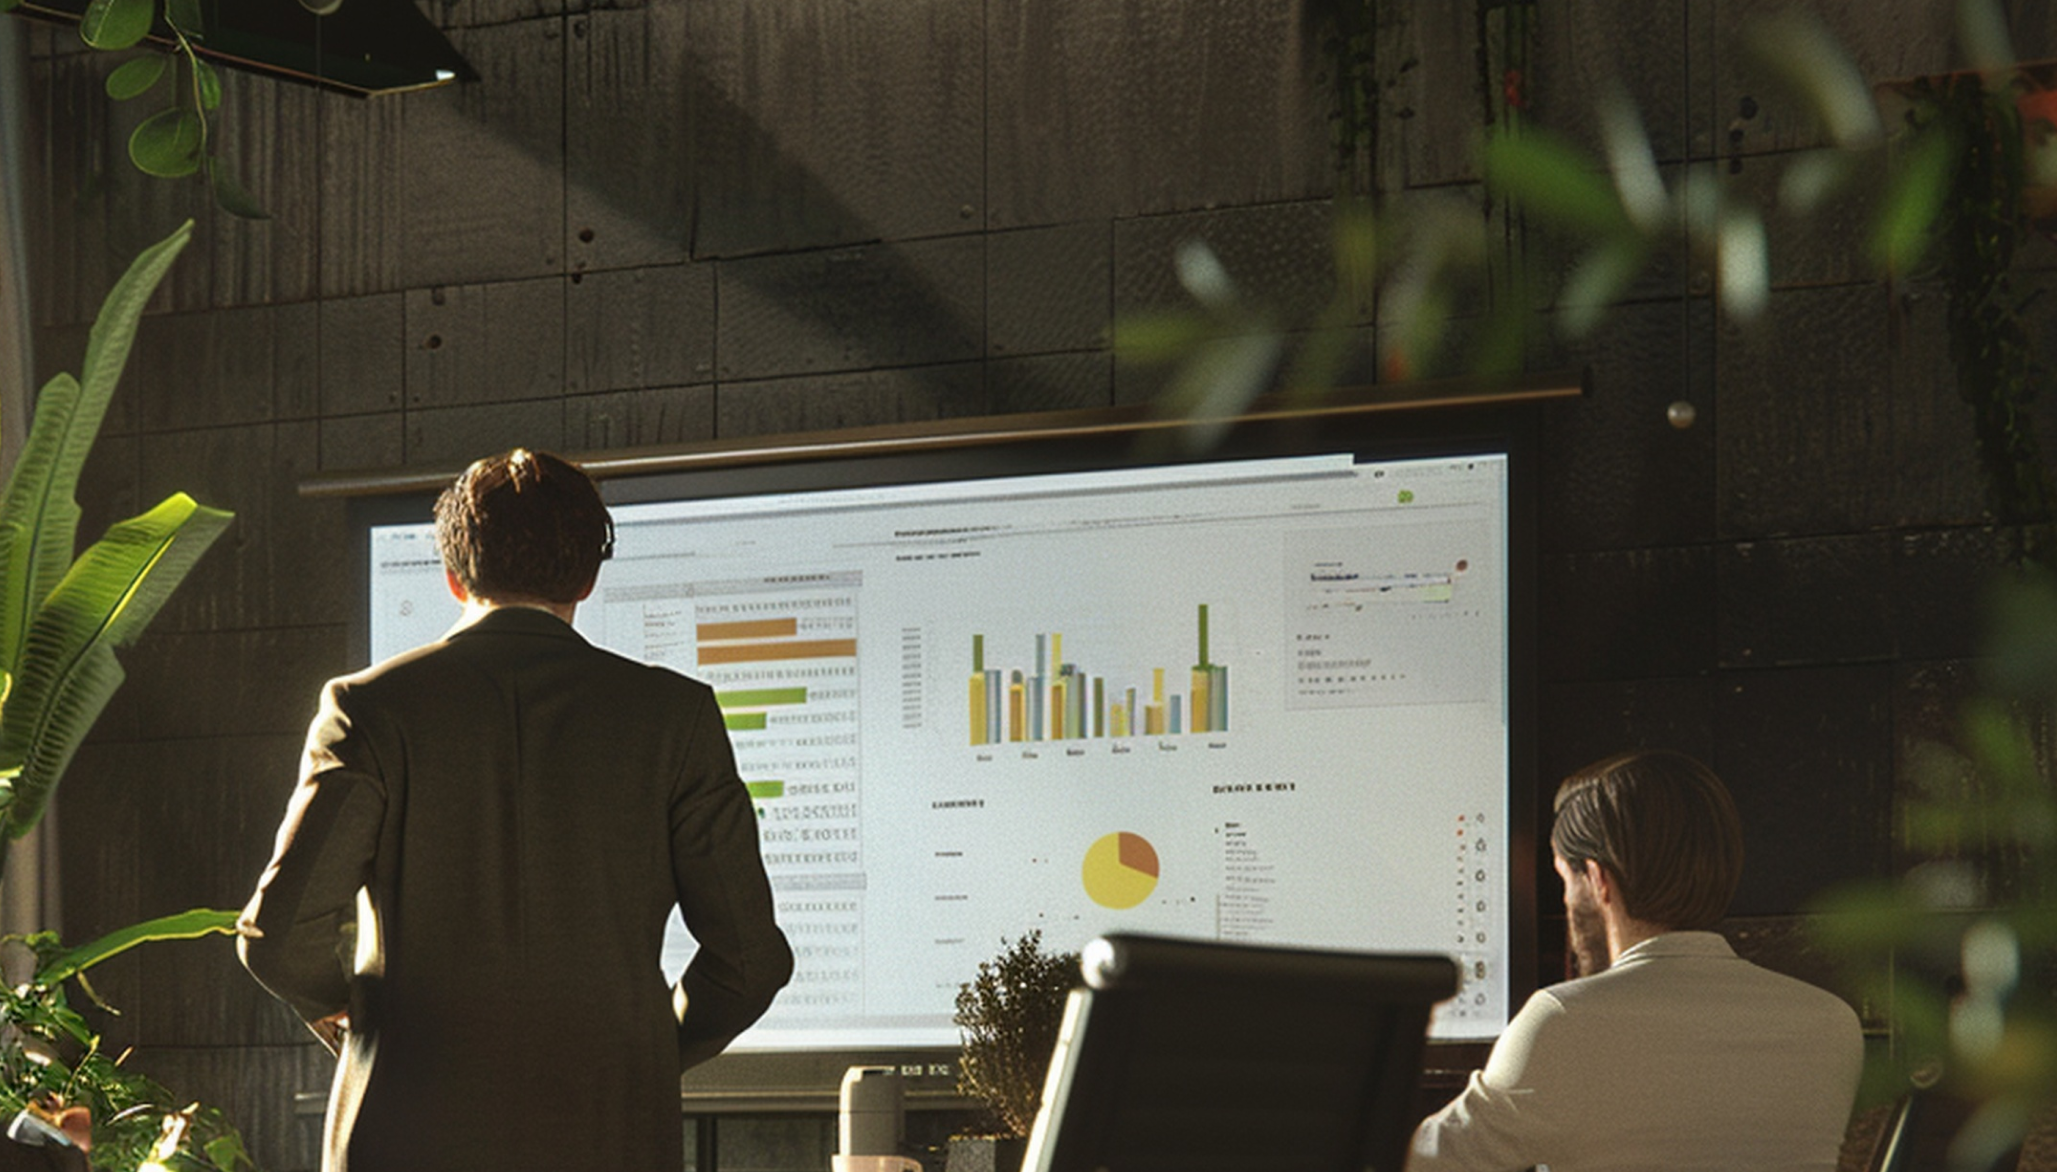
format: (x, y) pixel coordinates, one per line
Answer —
(778, 652)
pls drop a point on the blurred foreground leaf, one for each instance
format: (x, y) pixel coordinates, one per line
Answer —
(1555, 181)
(1800, 51)
(1912, 201)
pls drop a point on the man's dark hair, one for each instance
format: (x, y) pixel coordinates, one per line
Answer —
(1665, 829)
(523, 525)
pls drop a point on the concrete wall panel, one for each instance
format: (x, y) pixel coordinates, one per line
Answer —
(627, 163)
(861, 308)
(1805, 443)
(1142, 106)
(1049, 289)
(482, 165)
(1628, 614)
(495, 343)
(1637, 476)
(645, 327)
(819, 123)
(362, 353)
(1809, 600)
(1808, 755)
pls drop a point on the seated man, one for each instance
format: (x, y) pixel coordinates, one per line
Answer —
(1668, 1051)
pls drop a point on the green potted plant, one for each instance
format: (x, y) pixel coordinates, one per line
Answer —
(1008, 1015)
(61, 619)
(52, 1063)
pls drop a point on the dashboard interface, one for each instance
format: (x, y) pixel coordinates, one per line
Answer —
(1258, 700)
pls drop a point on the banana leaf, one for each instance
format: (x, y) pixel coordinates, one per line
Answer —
(189, 925)
(68, 669)
(38, 515)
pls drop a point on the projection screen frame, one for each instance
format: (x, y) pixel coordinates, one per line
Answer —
(1427, 418)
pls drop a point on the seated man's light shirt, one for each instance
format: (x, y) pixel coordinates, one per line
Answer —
(1681, 1055)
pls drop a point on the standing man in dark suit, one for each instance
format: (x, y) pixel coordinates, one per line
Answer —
(470, 888)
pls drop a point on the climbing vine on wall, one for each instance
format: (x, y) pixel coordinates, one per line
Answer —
(178, 140)
(1348, 31)
(1979, 229)
(1506, 43)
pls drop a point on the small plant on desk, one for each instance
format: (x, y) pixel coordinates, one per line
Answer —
(1008, 1015)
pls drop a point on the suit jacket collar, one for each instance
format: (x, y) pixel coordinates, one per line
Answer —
(1703, 945)
(518, 620)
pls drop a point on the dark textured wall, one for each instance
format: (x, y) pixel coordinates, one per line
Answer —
(712, 218)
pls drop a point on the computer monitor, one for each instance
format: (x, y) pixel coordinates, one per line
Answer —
(1192, 1056)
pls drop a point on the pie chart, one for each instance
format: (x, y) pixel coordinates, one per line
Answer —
(1120, 870)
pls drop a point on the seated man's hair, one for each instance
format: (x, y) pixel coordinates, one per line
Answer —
(1665, 829)
(523, 525)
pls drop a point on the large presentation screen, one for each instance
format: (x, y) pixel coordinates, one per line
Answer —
(1260, 700)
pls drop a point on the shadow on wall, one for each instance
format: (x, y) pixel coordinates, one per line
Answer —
(807, 285)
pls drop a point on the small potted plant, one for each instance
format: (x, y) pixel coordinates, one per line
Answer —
(1008, 1015)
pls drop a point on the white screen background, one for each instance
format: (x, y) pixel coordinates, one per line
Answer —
(1356, 796)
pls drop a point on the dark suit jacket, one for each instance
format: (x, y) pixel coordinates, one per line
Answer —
(520, 810)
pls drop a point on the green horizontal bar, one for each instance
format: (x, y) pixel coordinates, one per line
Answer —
(743, 721)
(760, 697)
(766, 789)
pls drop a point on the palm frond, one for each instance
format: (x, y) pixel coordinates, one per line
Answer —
(41, 513)
(187, 925)
(37, 526)
(68, 669)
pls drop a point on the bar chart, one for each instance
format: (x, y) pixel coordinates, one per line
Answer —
(783, 666)
(782, 659)
(1052, 698)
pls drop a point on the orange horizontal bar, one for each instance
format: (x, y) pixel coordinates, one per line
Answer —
(750, 629)
(764, 652)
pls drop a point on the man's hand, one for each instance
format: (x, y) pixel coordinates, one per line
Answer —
(331, 1029)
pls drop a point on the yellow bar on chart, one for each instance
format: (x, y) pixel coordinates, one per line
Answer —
(976, 700)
